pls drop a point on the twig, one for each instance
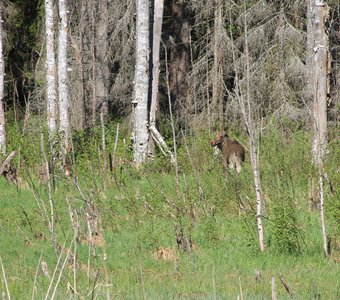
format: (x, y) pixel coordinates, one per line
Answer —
(4, 276)
(286, 286)
(273, 289)
(62, 268)
(55, 271)
(35, 277)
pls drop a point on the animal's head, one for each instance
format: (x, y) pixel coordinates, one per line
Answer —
(218, 140)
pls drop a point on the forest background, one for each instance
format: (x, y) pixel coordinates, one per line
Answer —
(85, 217)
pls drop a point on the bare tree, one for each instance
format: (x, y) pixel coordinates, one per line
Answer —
(243, 92)
(102, 68)
(141, 88)
(321, 94)
(2, 90)
(51, 70)
(62, 79)
(218, 88)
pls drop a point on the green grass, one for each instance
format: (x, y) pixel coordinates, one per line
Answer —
(137, 210)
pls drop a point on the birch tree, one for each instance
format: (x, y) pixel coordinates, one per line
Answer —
(62, 79)
(156, 42)
(2, 94)
(51, 70)
(141, 83)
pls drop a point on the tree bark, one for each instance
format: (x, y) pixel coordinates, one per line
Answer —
(64, 129)
(321, 94)
(3, 140)
(102, 69)
(141, 88)
(321, 75)
(217, 94)
(51, 70)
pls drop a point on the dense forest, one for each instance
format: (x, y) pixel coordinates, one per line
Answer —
(115, 117)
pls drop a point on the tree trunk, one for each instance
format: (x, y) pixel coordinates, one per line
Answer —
(179, 55)
(3, 142)
(309, 95)
(62, 79)
(141, 88)
(321, 75)
(321, 94)
(217, 94)
(51, 70)
(102, 69)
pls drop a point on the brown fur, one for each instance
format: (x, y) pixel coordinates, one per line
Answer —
(233, 154)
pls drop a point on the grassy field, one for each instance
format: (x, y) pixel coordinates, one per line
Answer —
(115, 237)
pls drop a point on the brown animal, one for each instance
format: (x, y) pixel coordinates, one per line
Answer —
(232, 151)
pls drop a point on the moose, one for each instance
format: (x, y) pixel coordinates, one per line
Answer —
(232, 151)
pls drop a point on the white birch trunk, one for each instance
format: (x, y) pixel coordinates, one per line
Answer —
(140, 100)
(3, 142)
(253, 141)
(62, 78)
(51, 70)
(157, 31)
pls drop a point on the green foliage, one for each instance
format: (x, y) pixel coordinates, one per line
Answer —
(285, 227)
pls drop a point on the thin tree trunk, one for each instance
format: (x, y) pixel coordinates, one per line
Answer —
(321, 93)
(51, 70)
(102, 69)
(3, 141)
(141, 88)
(217, 94)
(321, 75)
(62, 80)
(157, 31)
(246, 109)
(309, 95)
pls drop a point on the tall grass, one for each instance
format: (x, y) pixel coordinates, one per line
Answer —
(132, 215)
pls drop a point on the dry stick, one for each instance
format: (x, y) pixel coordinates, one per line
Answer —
(172, 120)
(273, 289)
(4, 276)
(6, 162)
(55, 271)
(115, 147)
(103, 143)
(241, 293)
(62, 268)
(35, 276)
(51, 223)
(75, 227)
(90, 243)
(286, 286)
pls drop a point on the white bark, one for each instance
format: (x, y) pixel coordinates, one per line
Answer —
(157, 31)
(51, 70)
(62, 78)
(140, 100)
(3, 141)
(247, 110)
